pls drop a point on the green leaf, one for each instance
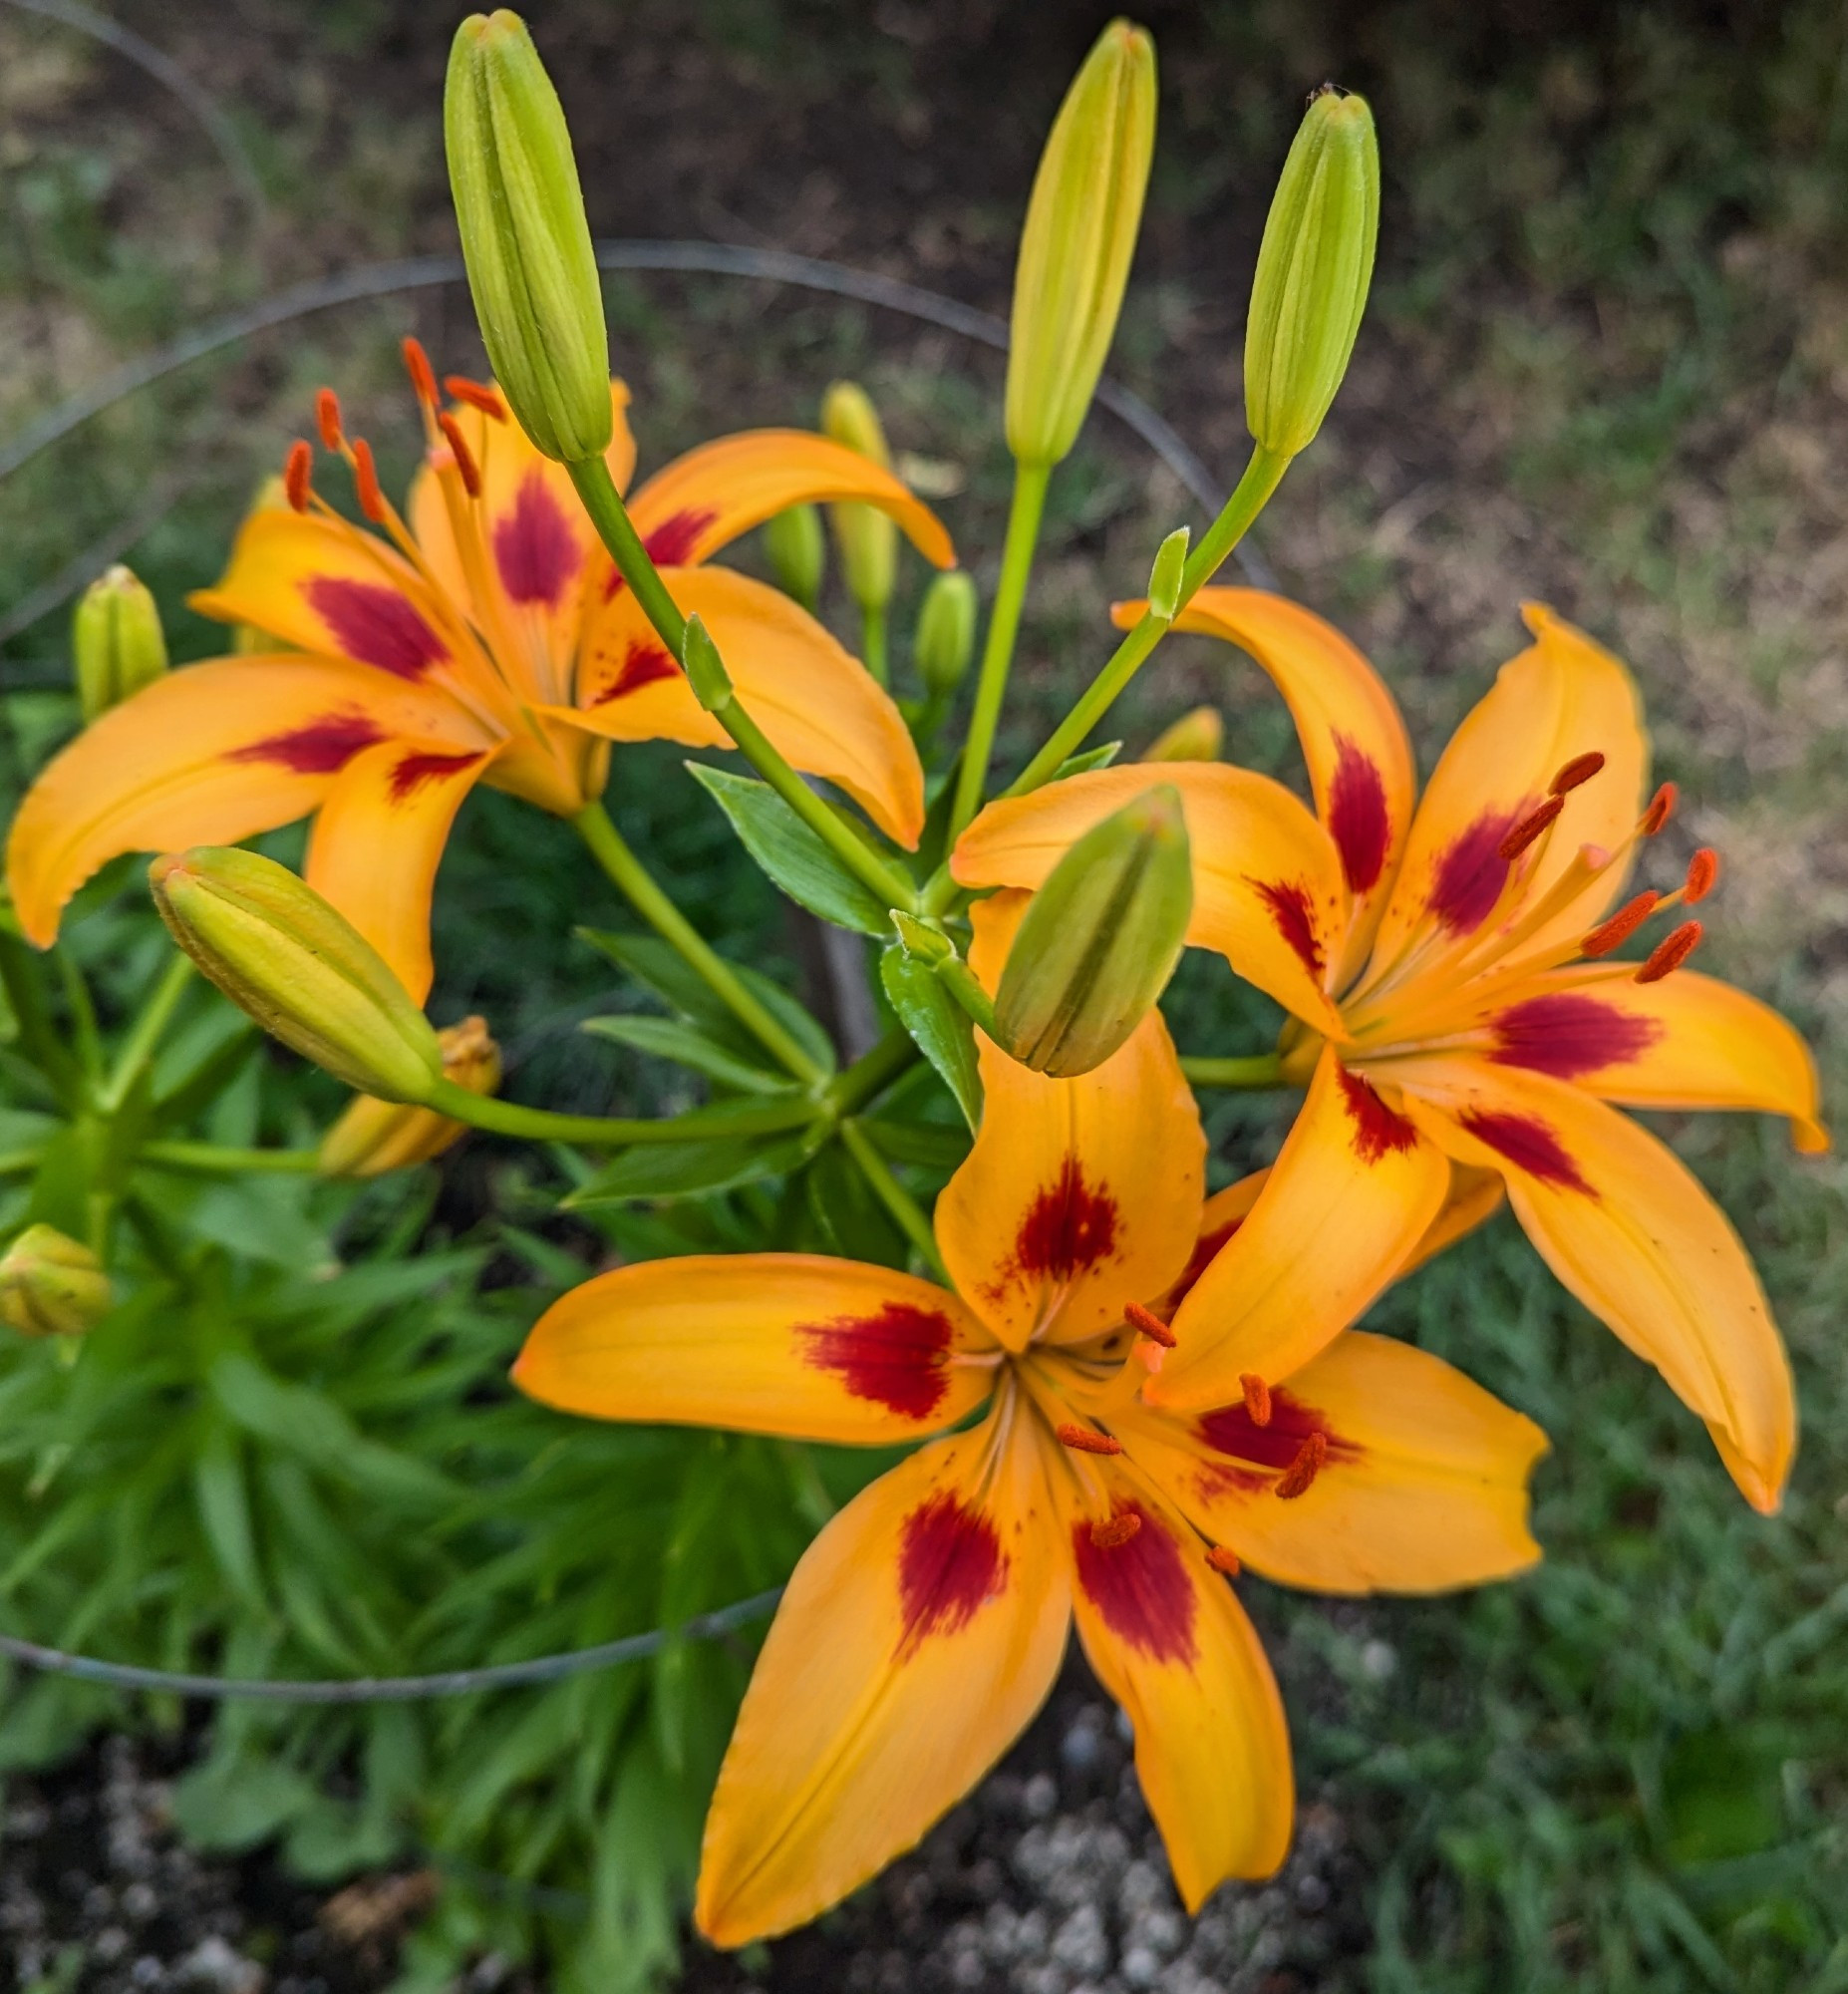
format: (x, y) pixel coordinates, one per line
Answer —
(668, 1038)
(231, 1805)
(928, 1144)
(223, 1499)
(850, 1216)
(677, 1169)
(792, 856)
(1093, 758)
(943, 1030)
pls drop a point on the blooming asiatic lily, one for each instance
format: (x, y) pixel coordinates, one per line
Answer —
(1450, 972)
(926, 1623)
(486, 637)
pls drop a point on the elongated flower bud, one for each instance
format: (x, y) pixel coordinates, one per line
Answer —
(1314, 267)
(946, 632)
(116, 643)
(306, 975)
(867, 538)
(1195, 737)
(797, 552)
(1082, 225)
(373, 1135)
(525, 240)
(1099, 940)
(52, 1286)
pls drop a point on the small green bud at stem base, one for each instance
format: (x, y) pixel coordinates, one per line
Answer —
(49, 1285)
(116, 643)
(797, 552)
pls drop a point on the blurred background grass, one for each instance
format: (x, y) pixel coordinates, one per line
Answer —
(1606, 365)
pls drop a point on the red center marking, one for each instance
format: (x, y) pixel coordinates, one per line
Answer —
(535, 549)
(1206, 1252)
(673, 543)
(320, 748)
(375, 624)
(950, 1565)
(894, 1359)
(1232, 1432)
(1471, 872)
(1530, 1145)
(1294, 914)
(1141, 1587)
(1069, 1226)
(1567, 1034)
(421, 768)
(643, 663)
(1377, 1132)
(1357, 821)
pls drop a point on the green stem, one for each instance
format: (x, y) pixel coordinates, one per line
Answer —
(1256, 1070)
(146, 1033)
(540, 1125)
(632, 880)
(873, 642)
(894, 1196)
(17, 1162)
(872, 1072)
(213, 1159)
(1023, 515)
(597, 489)
(83, 1013)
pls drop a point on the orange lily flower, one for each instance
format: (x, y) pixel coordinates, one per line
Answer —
(928, 1620)
(487, 637)
(1457, 1006)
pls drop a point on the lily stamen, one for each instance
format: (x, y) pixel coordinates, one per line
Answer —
(466, 467)
(1082, 1441)
(1257, 1398)
(366, 483)
(1660, 809)
(1703, 871)
(1298, 1477)
(1109, 1533)
(327, 418)
(296, 472)
(423, 375)
(1529, 828)
(1622, 925)
(1670, 952)
(1581, 768)
(476, 394)
(1224, 1561)
(1149, 1324)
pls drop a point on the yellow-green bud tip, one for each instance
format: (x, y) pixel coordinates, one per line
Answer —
(49, 1285)
(1199, 736)
(867, 538)
(944, 645)
(116, 643)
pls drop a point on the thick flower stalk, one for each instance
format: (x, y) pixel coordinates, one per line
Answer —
(1457, 1001)
(928, 1620)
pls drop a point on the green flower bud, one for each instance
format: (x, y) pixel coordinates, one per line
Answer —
(1164, 578)
(306, 975)
(1199, 736)
(867, 538)
(1314, 267)
(52, 1286)
(116, 643)
(1099, 940)
(945, 639)
(373, 1135)
(526, 243)
(1080, 232)
(798, 553)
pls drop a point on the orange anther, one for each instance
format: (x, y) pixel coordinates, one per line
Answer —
(465, 456)
(1621, 926)
(461, 389)
(1660, 809)
(1530, 827)
(327, 417)
(1257, 1398)
(1224, 1561)
(1117, 1531)
(1670, 952)
(295, 475)
(1702, 870)
(365, 480)
(1149, 1324)
(1581, 768)
(1086, 1442)
(423, 375)
(1295, 1480)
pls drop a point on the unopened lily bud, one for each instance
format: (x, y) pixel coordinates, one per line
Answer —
(797, 552)
(1099, 940)
(867, 538)
(705, 672)
(1198, 736)
(299, 968)
(946, 632)
(1167, 574)
(116, 643)
(531, 269)
(373, 1135)
(1082, 225)
(1314, 267)
(52, 1286)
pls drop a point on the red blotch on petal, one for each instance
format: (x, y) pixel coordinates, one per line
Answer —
(1358, 820)
(1377, 1132)
(535, 549)
(1294, 914)
(895, 1359)
(1069, 1226)
(321, 748)
(375, 624)
(950, 1565)
(1469, 873)
(1206, 1252)
(421, 768)
(1567, 1034)
(1231, 1430)
(671, 544)
(643, 663)
(1141, 1587)
(1530, 1145)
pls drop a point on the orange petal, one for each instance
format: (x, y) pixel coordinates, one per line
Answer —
(779, 1343)
(1349, 724)
(1624, 1224)
(689, 509)
(377, 841)
(1172, 1645)
(1423, 1487)
(208, 755)
(1472, 1198)
(1346, 1202)
(919, 1634)
(821, 708)
(1079, 1195)
(1268, 892)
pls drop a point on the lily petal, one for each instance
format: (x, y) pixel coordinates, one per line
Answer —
(208, 755)
(1625, 1225)
(919, 1634)
(1353, 737)
(1423, 1487)
(818, 703)
(1348, 1200)
(1268, 891)
(1170, 1642)
(795, 1344)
